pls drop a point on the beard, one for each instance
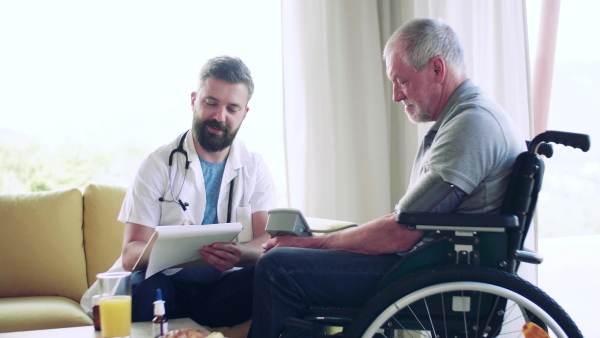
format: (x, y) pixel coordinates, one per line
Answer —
(418, 115)
(213, 142)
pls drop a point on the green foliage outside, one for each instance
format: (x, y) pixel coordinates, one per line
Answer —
(32, 167)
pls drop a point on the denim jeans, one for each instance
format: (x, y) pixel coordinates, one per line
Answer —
(290, 280)
(225, 302)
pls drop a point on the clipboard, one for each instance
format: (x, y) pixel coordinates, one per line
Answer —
(175, 246)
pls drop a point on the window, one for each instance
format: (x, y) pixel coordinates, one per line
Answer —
(569, 226)
(90, 88)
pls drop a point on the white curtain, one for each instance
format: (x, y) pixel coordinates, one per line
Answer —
(337, 124)
(349, 148)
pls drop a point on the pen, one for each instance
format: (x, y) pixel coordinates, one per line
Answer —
(185, 211)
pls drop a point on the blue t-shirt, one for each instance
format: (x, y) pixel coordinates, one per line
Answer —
(213, 174)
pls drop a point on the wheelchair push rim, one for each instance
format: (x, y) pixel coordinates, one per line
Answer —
(518, 299)
(460, 301)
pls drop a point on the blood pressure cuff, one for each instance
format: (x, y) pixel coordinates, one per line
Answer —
(432, 194)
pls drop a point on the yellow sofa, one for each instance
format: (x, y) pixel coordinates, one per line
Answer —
(52, 245)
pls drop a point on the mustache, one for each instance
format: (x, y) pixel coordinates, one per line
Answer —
(215, 124)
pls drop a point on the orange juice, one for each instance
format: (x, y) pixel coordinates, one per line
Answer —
(115, 316)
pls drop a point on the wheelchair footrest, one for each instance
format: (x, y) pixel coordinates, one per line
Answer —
(331, 316)
(527, 256)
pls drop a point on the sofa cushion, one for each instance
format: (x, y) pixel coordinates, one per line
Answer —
(103, 234)
(40, 313)
(42, 232)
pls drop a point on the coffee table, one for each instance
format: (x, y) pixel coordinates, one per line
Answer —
(138, 330)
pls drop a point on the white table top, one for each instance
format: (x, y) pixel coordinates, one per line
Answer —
(138, 330)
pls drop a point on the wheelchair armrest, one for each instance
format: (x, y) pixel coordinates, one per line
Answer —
(457, 221)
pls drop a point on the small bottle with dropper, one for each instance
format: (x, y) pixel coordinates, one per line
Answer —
(160, 325)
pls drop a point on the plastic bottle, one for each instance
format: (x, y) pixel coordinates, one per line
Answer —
(160, 325)
(96, 312)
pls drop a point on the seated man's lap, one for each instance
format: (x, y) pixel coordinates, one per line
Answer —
(326, 277)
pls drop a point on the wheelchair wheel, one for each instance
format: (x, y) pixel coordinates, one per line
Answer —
(461, 301)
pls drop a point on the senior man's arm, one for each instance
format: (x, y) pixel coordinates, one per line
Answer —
(384, 235)
(380, 236)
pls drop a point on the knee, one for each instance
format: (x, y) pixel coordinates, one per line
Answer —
(271, 262)
(267, 259)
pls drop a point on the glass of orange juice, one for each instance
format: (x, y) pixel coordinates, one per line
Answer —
(115, 304)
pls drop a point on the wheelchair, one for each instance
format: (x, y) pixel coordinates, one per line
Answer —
(461, 279)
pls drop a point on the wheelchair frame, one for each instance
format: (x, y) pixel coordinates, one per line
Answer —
(461, 280)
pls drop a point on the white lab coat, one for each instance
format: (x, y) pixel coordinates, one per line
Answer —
(254, 190)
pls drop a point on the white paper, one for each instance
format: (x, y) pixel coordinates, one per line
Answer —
(177, 244)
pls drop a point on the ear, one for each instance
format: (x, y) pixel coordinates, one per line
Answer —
(439, 68)
(193, 98)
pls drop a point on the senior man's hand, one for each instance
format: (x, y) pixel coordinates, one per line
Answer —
(289, 240)
(222, 256)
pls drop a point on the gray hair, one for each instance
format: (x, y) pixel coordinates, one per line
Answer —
(228, 68)
(422, 39)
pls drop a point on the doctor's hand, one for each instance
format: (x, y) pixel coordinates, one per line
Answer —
(222, 256)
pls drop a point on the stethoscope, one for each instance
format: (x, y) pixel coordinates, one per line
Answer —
(175, 197)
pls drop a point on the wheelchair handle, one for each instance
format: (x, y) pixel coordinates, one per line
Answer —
(575, 140)
(546, 149)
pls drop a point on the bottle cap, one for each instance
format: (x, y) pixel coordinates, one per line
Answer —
(96, 300)
(159, 304)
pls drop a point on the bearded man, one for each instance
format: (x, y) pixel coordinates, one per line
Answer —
(205, 176)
